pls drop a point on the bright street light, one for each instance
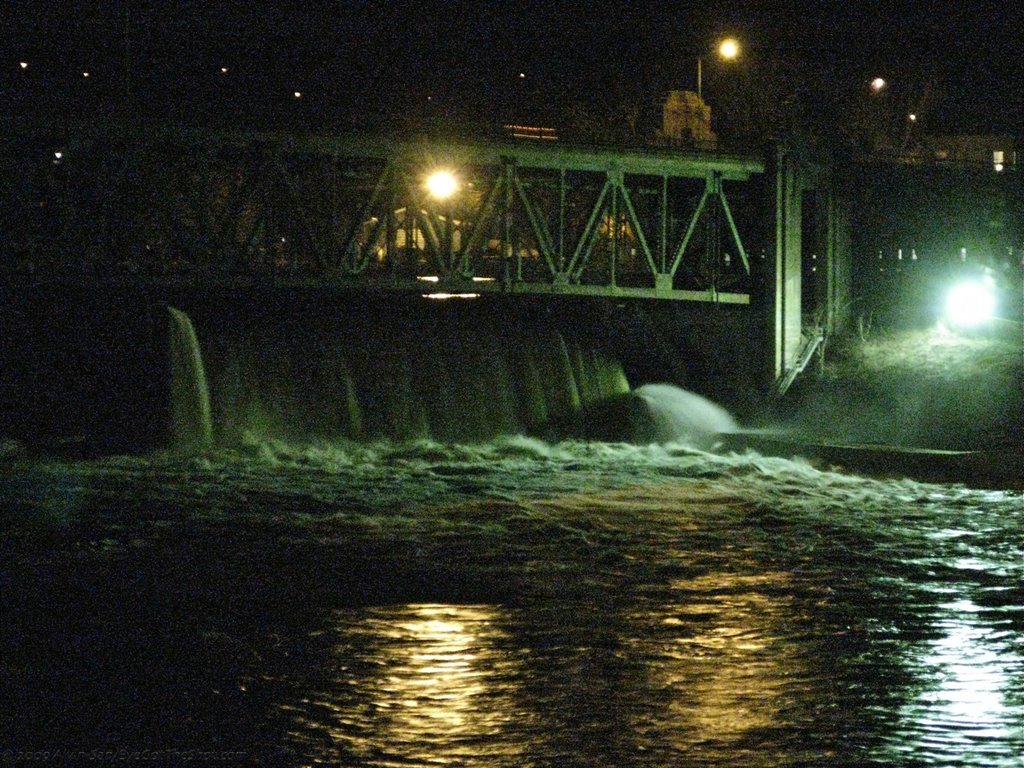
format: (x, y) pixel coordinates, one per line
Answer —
(442, 184)
(728, 50)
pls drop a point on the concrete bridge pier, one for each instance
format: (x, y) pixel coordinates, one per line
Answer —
(809, 242)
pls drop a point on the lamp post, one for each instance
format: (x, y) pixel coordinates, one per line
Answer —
(727, 50)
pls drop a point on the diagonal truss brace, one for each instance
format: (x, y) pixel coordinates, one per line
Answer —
(352, 261)
(355, 260)
(613, 191)
(712, 188)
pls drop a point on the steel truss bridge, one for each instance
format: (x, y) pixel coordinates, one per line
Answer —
(354, 212)
(182, 207)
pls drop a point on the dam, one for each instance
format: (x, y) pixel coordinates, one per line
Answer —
(330, 263)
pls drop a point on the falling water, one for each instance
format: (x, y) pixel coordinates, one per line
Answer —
(267, 382)
(191, 422)
(652, 413)
(451, 377)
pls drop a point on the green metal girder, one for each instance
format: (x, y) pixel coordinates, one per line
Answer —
(646, 162)
(537, 225)
(257, 191)
(585, 246)
(712, 190)
(551, 156)
(356, 283)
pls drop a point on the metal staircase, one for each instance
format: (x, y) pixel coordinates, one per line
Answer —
(812, 340)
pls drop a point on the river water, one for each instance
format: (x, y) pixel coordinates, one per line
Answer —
(512, 603)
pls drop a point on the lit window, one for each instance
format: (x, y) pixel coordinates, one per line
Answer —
(998, 159)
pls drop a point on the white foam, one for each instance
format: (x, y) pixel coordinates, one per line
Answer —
(680, 416)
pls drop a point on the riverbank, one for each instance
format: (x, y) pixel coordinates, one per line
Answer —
(927, 403)
(928, 388)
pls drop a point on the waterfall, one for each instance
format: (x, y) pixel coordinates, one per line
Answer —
(455, 379)
(191, 422)
(454, 382)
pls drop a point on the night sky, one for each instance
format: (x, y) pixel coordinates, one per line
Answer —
(370, 63)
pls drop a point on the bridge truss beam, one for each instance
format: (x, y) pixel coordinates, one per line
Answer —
(354, 213)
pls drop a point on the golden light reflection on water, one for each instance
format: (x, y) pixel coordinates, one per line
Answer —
(417, 684)
(725, 661)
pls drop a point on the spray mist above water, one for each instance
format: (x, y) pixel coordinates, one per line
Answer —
(652, 413)
(679, 416)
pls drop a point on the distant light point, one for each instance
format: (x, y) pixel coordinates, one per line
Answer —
(223, 70)
(58, 155)
(297, 94)
(912, 117)
(85, 74)
(878, 84)
(23, 64)
(522, 75)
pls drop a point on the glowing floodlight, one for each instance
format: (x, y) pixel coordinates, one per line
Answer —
(971, 303)
(442, 184)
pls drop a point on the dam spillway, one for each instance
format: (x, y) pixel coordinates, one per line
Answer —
(447, 373)
(138, 371)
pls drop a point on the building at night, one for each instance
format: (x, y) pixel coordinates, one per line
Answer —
(974, 151)
(686, 121)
